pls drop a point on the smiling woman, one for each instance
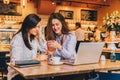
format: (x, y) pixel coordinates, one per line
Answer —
(63, 40)
(10, 9)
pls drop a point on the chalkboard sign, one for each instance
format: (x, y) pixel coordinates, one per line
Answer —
(66, 14)
(89, 15)
(10, 9)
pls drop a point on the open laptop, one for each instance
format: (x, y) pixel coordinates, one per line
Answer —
(88, 52)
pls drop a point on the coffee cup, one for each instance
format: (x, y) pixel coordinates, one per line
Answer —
(102, 58)
(55, 60)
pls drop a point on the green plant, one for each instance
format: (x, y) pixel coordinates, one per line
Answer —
(112, 21)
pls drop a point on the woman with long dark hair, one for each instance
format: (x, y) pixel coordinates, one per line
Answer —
(24, 44)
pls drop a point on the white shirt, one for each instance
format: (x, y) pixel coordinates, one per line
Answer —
(80, 34)
(19, 51)
(97, 35)
(68, 46)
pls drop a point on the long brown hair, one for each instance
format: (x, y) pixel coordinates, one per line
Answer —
(49, 31)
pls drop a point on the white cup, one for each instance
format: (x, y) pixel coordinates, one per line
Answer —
(102, 58)
(55, 60)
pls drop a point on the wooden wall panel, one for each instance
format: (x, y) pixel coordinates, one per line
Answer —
(45, 7)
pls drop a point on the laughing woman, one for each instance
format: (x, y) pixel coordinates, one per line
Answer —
(62, 41)
(60, 38)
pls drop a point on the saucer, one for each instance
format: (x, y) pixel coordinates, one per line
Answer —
(55, 64)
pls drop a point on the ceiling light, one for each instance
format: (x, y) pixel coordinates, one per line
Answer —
(23, 2)
(6, 1)
(104, 0)
(53, 2)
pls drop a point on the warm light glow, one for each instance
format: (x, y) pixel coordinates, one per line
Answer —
(53, 3)
(23, 2)
(6, 1)
(104, 0)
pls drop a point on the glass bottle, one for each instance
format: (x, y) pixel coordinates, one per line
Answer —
(113, 56)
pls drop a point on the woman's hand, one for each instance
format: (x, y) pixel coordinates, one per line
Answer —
(54, 44)
(50, 49)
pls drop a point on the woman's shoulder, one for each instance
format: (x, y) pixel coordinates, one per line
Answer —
(17, 39)
(18, 36)
(71, 34)
(70, 37)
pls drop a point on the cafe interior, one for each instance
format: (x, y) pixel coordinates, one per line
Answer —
(90, 13)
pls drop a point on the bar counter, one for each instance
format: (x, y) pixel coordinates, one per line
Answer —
(106, 50)
(4, 47)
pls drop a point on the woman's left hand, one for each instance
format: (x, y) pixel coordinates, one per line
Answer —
(56, 45)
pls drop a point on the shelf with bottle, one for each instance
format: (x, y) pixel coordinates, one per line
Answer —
(6, 35)
(84, 24)
(8, 30)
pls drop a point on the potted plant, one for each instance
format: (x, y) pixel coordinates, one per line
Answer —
(111, 23)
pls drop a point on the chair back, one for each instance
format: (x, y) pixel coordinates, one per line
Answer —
(3, 65)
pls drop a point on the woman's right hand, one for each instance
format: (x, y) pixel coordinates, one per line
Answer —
(50, 49)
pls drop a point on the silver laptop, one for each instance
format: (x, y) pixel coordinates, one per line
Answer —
(88, 52)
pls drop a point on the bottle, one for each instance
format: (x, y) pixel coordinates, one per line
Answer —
(103, 59)
(113, 56)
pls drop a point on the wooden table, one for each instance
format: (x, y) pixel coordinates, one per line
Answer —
(106, 50)
(111, 43)
(107, 66)
(45, 70)
(117, 40)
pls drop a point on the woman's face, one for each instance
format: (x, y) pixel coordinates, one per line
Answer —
(57, 26)
(35, 31)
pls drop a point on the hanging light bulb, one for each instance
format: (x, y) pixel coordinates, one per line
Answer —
(6, 1)
(104, 0)
(23, 2)
(53, 2)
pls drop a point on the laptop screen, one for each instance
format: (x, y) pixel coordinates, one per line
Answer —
(89, 52)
